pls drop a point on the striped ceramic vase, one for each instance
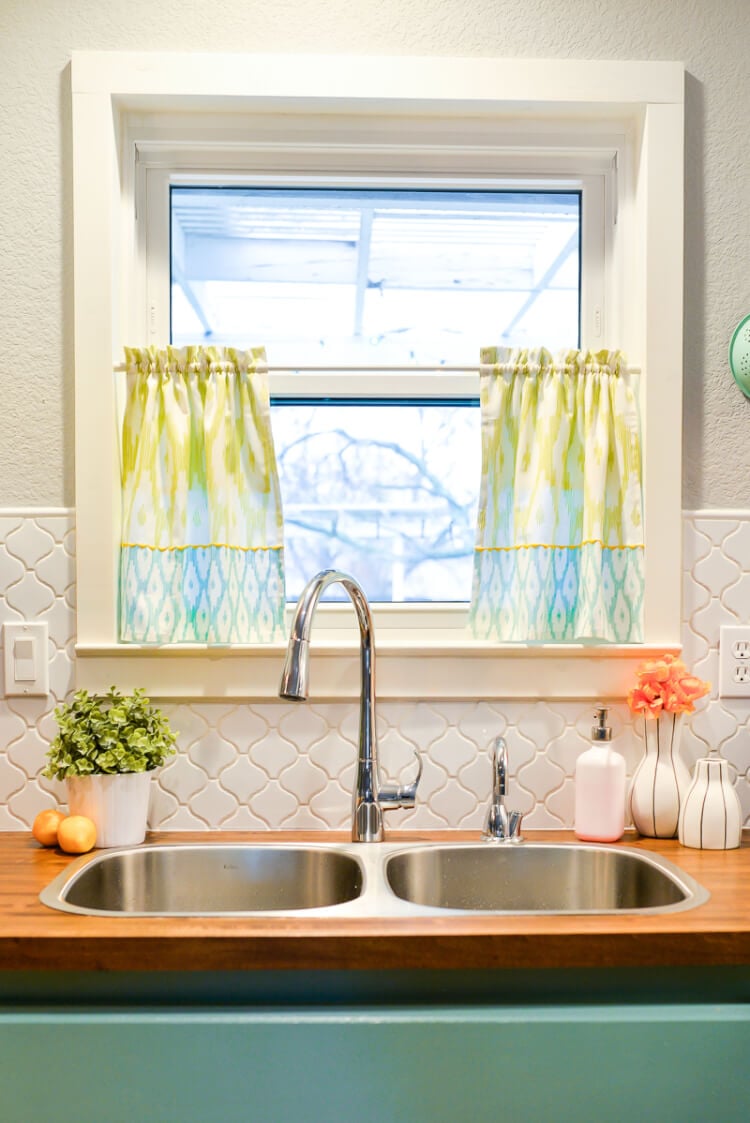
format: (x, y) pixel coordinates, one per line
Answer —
(711, 816)
(661, 780)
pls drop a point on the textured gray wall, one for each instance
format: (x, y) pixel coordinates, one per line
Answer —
(36, 315)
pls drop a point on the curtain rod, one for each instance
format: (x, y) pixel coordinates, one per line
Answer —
(399, 369)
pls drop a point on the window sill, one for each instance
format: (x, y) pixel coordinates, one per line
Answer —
(407, 670)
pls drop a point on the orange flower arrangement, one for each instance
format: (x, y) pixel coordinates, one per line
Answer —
(665, 686)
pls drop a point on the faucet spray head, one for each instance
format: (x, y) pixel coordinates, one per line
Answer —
(294, 676)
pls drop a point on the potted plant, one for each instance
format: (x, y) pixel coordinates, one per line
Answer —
(106, 749)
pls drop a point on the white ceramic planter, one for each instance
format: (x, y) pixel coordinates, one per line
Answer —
(117, 805)
(711, 815)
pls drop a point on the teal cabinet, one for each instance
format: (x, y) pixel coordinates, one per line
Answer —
(369, 1050)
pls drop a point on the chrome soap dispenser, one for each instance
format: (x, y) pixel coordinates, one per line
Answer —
(600, 786)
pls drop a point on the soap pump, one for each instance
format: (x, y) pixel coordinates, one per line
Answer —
(600, 786)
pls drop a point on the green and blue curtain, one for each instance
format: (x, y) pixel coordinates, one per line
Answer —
(202, 534)
(559, 555)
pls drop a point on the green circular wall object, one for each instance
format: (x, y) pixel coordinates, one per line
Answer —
(739, 355)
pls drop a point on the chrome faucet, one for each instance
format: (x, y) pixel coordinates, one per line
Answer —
(502, 825)
(370, 798)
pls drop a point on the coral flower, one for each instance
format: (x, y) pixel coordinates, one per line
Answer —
(665, 686)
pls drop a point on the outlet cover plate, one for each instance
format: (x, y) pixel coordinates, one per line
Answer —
(734, 661)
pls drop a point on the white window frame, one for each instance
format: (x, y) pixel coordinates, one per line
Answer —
(139, 119)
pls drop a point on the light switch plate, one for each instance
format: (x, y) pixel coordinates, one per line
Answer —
(26, 658)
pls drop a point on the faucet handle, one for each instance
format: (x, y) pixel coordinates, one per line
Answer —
(397, 796)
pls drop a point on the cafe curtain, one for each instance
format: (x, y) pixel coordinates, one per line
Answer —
(559, 553)
(201, 558)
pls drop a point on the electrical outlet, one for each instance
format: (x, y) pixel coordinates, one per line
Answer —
(734, 661)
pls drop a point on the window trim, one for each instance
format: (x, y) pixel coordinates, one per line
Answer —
(117, 94)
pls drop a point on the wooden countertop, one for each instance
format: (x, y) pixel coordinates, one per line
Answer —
(33, 936)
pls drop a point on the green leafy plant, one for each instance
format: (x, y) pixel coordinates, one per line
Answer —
(108, 733)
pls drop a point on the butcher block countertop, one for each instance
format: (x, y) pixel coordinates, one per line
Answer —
(33, 936)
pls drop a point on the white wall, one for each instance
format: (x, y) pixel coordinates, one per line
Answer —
(36, 315)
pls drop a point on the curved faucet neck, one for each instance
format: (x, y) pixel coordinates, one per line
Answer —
(369, 797)
(294, 679)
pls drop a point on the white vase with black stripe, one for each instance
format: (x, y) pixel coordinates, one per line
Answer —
(661, 780)
(711, 815)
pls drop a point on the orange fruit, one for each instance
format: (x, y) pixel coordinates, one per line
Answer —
(76, 834)
(45, 826)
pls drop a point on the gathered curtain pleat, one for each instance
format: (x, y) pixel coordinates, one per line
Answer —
(559, 554)
(201, 557)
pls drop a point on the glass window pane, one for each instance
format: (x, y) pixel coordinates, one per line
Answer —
(387, 492)
(375, 276)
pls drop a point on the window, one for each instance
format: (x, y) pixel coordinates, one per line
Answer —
(381, 481)
(388, 148)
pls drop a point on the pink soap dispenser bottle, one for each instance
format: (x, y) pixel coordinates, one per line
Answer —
(600, 787)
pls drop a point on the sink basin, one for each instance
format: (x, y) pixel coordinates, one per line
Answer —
(539, 878)
(207, 880)
(370, 880)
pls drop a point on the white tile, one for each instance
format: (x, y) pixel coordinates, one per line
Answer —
(716, 530)
(540, 724)
(183, 819)
(11, 570)
(27, 803)
(212, 753)
(29, 753)
(213, 804)
(333, 754)
(12, 779)
(273, 753)
(476, 777)
(273, 805)
(182, 778)
(695, 544)
(541, 776)
(303, 779)
(420, 723)
(736, 749)
(333, 806)
(56, 569)
(29, 597)
(243, 727)
(708, 621)
(29, 542)
(451, 803)
(736, 599)
(560, 804)
(57, 526)
(302, 726)
(12, 725)
(713, 724)
(434, 779)
(244, 820)
(565, 750)
(736, 544)
(716, 571)
(61, 621)
(453, 752)
(243, 779)
(162, 805)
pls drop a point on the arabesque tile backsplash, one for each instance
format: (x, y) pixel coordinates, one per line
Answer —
(284, 765)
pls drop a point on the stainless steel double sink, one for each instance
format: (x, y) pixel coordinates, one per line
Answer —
(371, 880)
